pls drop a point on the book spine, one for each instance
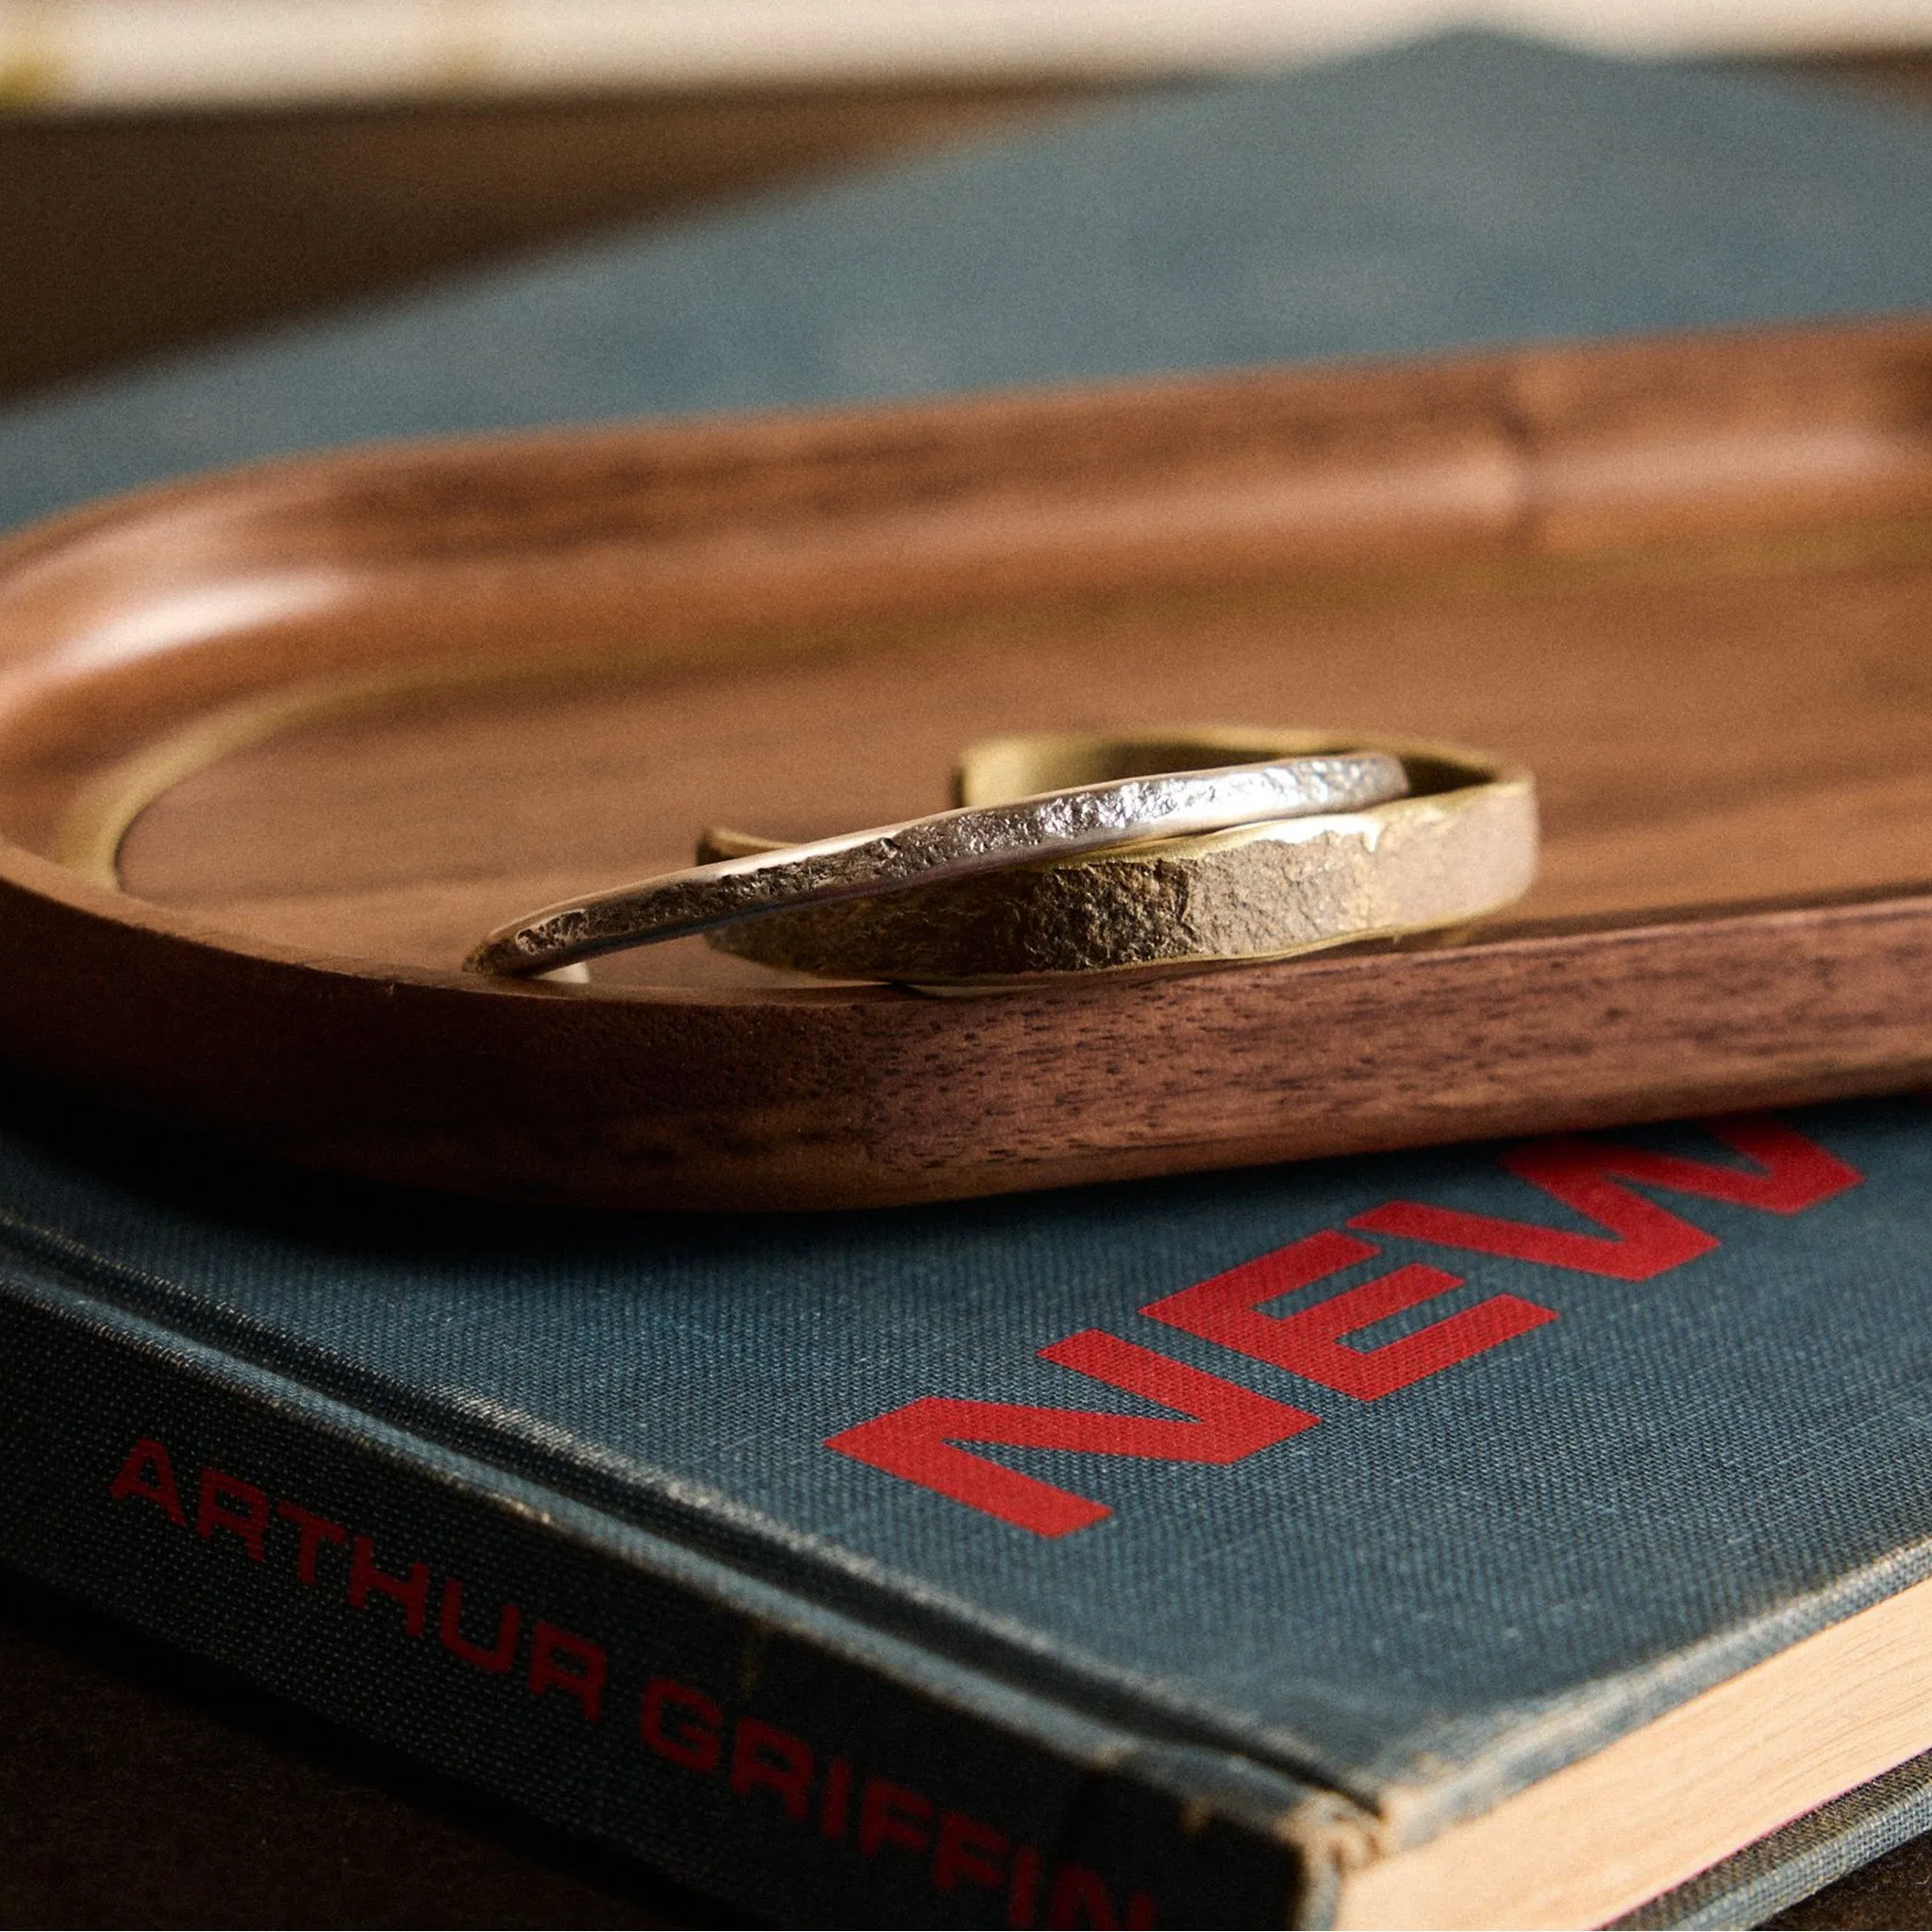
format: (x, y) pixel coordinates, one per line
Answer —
(750, 1744)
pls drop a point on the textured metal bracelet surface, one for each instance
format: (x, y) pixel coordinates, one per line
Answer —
(1461, 844)
(1119, 809)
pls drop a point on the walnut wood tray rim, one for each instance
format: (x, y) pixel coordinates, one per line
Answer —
(737, 1097)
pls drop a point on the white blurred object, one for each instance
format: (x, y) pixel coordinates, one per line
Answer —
(131, 55)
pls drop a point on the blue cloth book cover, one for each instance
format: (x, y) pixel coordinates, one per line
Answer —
(1258, 1548)
(1216, 1551)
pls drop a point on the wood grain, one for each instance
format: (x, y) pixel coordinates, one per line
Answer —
(399, 696)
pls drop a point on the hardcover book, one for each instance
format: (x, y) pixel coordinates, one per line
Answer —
(1497, 1536)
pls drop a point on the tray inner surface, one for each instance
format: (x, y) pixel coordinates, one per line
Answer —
(1707, 721)
(376, 704)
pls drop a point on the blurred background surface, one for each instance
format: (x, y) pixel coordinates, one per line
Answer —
(171, 170)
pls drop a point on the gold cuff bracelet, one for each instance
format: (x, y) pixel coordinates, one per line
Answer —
(1462, 845)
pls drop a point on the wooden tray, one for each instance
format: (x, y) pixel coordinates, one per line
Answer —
(352, 710)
